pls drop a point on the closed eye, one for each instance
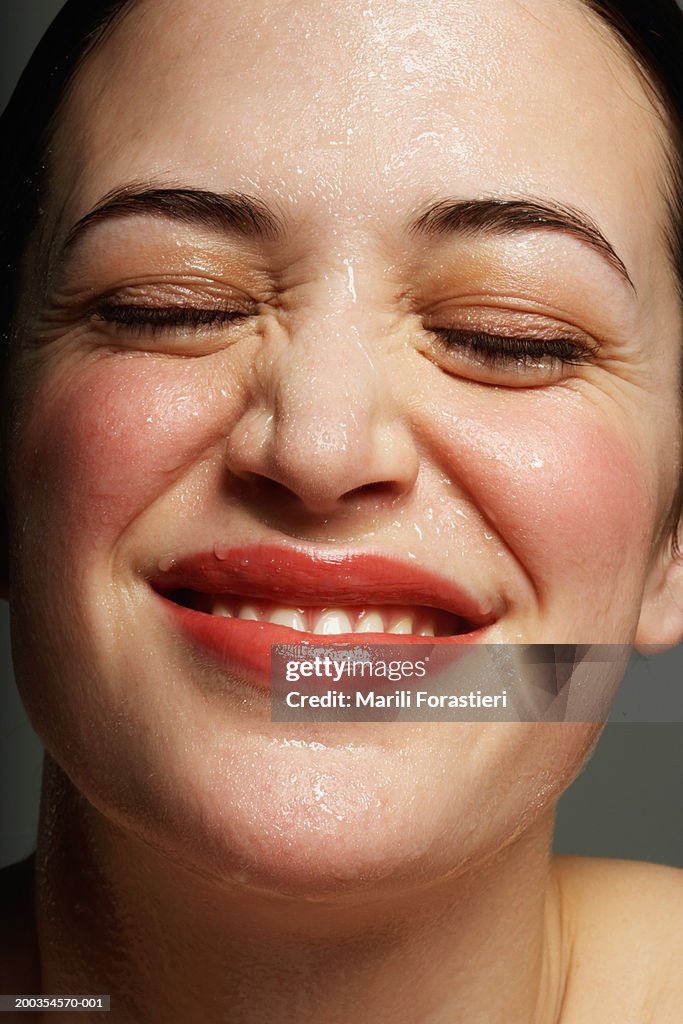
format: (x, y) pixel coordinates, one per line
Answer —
(497, 349)
(140, 319)
(520, 360)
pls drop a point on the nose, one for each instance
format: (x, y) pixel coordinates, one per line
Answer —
(325, 429)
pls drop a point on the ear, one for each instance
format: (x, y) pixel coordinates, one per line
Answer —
(660, 626)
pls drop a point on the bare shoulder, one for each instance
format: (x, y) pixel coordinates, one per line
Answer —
(18, 954)
(623, 925)
(625, 892)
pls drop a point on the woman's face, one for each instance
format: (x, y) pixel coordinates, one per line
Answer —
(321, 404)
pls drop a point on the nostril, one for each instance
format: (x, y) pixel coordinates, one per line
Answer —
(270, 497)
(380, 489)
(269, 494)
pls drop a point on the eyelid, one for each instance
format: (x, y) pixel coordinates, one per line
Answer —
(181, 320)
(563, 348)
(195, 291)
(494, 359)
(115, 312)
(507, 315)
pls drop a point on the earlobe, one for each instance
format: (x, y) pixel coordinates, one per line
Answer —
(660, 626)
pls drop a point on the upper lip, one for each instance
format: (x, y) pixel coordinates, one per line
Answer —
(295, 576)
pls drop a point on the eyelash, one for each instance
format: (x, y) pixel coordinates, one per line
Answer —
(498, 351)
(157, 319)
(493, 351)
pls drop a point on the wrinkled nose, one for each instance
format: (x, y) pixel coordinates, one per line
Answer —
(325, 428)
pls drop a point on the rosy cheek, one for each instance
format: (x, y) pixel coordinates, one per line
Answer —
(106, 441)
(557, 479)
(584, 499)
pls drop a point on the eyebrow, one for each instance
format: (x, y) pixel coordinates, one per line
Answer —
(234, 212)
(494, 216)
(242, 214)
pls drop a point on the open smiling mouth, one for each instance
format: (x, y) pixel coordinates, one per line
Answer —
(235, 604)
(397, 620)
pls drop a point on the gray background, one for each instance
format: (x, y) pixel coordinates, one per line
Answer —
(627, 803)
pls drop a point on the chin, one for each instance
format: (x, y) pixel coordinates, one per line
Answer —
(294, 822)
(359, 818)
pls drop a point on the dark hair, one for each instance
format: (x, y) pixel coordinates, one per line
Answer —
(650, 30)
(25, 128)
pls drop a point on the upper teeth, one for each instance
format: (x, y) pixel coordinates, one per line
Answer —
(330, 621)
(370, 622)
(291, 617)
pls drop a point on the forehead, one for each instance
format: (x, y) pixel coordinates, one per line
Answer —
(367, 109)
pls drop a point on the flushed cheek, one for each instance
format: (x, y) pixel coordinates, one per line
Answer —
(563, 483)
(106, 441)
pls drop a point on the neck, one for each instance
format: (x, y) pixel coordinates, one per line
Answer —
(117, 917)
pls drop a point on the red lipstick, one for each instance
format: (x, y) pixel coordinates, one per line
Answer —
(298, 578)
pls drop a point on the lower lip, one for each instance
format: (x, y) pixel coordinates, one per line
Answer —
(244, 646)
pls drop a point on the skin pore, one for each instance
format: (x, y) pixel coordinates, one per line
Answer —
(305, 393)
